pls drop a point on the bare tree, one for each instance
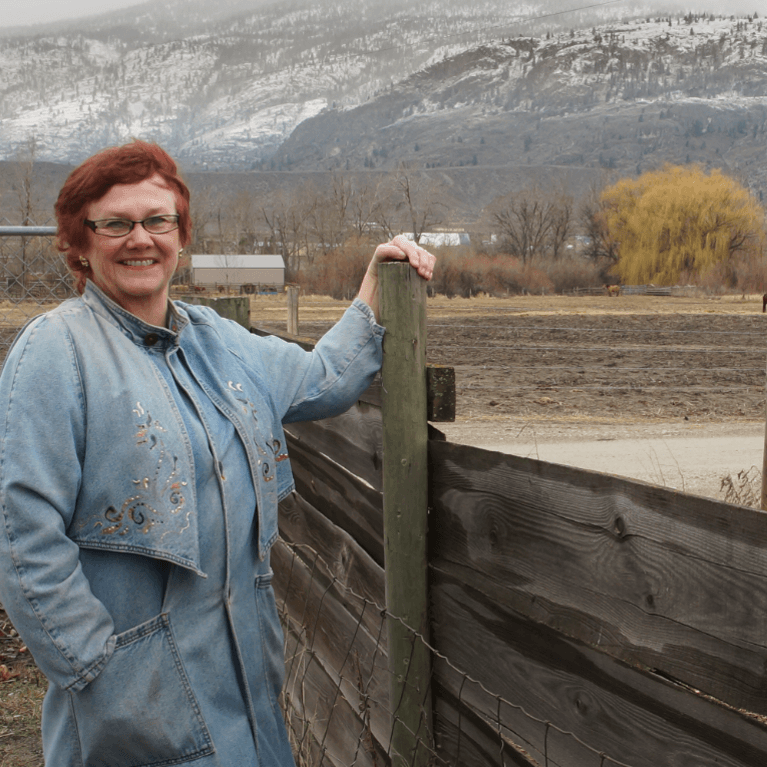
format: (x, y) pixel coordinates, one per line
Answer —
(327, 213)
(598, 245)
(367, 209)
(242, 217)
(28, 207)
(285, 220)
(525, 221)
(561, 224)
(28, 201)
(206, 204)
(416, 201)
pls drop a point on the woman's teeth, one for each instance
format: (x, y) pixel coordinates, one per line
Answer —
(148, 262)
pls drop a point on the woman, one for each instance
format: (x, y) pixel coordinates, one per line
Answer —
(141, 465)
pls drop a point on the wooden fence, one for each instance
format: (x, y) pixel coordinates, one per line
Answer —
(576, 619)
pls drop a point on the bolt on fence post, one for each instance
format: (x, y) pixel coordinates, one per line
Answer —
(402, 300)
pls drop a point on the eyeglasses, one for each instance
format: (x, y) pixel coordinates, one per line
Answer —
(120, 227)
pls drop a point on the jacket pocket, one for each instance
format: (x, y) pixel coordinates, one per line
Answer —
(140, 711)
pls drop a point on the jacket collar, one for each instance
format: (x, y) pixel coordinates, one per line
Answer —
(136, 329)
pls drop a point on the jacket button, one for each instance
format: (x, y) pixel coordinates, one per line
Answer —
(150, 339)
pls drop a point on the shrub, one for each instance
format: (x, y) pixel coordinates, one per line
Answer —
(566, 274)
(468, 275)
(458, 272)
(339, 272)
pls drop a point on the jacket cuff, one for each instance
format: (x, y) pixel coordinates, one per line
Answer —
(86, 676)
(367, 312)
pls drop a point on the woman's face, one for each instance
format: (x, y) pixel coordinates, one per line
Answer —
(135, 270)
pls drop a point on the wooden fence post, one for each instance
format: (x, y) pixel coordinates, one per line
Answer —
(405, 497)
(764, 466)
(293, 310)
(235, 308)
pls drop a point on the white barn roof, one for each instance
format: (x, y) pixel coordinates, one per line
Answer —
(440, 239)
(247, 261)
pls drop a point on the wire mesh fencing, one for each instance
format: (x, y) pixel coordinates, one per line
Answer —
(337, 700)
(33, 277)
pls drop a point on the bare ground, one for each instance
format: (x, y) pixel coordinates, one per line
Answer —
(562, 364)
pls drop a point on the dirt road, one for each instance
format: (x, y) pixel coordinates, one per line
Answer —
(694, 459)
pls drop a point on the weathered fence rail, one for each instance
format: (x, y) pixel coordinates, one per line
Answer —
(617, 611)
(577, 619)
(571, 608)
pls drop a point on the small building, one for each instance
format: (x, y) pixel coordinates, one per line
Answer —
(441, 239)
(234, 271)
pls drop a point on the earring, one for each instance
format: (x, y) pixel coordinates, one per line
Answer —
(84, 261)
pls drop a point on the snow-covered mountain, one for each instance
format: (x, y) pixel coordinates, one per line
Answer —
(358, 84)
(223, 85)
(625, 96)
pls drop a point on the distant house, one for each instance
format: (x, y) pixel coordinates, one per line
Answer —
(441, 239)
(234, 271)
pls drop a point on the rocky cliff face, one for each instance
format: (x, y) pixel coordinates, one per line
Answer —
(622, 97)
(222, 85)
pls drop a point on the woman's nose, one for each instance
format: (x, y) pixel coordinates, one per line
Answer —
(139, 236)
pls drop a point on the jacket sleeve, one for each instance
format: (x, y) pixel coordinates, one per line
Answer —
(330, 378)
(42, 430)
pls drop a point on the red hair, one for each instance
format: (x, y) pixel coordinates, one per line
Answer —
(90, 181)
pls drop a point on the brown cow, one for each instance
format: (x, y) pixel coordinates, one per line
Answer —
(613, 290)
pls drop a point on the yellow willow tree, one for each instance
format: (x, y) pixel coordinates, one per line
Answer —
(680, 221)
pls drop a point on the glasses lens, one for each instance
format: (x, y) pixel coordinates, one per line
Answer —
(161, 224)
(113, 227)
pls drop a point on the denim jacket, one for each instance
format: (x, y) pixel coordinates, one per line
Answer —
(95, 455)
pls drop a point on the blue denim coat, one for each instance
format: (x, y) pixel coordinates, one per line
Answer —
(140, 471)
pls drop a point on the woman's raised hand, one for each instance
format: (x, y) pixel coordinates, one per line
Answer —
(398, 249)
(402, 249)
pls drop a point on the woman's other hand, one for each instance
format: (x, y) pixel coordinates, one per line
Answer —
(402, 249)
(398, 249)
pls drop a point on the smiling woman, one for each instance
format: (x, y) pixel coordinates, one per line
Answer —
(142, 461)
(134, 264)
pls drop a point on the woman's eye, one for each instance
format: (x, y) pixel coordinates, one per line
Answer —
(116, 223)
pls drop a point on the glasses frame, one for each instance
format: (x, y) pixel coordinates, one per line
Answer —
(94, 225)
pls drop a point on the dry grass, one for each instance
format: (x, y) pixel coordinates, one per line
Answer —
(271, 310)
(15, 314)
(743, 489)
(21, 701)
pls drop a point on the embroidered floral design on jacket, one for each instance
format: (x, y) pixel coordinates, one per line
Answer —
(139, 512)
(250, 409)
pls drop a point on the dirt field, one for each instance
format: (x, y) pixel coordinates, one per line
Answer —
(567, 363)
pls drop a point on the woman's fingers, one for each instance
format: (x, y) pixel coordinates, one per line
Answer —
(402, 249)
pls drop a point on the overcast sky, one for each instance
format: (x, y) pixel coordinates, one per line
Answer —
(20, 12)
(14, 12)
